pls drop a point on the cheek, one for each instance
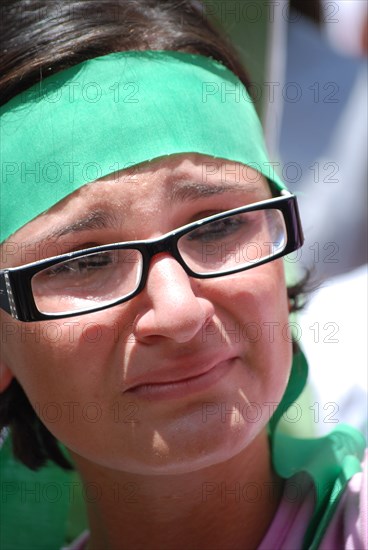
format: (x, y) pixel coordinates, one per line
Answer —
(58, 359)
(273, 350)
(255, 300)
(253, 311)
(66, 369)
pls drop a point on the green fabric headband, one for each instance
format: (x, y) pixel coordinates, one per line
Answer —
(116, 111)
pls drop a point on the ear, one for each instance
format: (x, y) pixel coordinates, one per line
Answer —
(6, 376)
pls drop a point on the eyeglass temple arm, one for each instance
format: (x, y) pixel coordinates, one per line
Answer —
(6, 295)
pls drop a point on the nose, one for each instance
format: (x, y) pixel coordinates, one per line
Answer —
(172, 309)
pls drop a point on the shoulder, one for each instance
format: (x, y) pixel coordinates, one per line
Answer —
(348, 528)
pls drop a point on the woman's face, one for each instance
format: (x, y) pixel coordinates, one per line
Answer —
(110, 385)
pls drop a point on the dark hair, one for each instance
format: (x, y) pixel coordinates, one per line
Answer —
(40, 38)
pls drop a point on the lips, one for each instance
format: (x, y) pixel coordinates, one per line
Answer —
(182, 379)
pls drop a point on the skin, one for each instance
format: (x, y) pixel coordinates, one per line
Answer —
(163, 460)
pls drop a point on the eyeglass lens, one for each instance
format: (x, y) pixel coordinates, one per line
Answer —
(101, 278)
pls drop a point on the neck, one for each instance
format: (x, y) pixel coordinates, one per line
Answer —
(228, 505)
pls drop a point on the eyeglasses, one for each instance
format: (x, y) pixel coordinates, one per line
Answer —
(104, 276)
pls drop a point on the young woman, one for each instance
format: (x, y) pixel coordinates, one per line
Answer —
(142, 241)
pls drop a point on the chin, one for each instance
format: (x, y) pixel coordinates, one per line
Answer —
(189, 454)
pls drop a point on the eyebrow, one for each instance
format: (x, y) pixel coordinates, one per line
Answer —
(182, 190)
(187, 190)
(95, 219)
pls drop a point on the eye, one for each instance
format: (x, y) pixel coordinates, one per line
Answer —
(220, 229)
(82, 282)
(81, 265)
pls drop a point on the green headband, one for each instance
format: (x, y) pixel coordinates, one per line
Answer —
(116, 111)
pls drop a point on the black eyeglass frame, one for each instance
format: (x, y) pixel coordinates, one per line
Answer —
(16, 296)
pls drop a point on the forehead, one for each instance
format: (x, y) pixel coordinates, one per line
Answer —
(151, 187)
(174, 178)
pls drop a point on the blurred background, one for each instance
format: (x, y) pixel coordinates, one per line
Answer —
(307, 61)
